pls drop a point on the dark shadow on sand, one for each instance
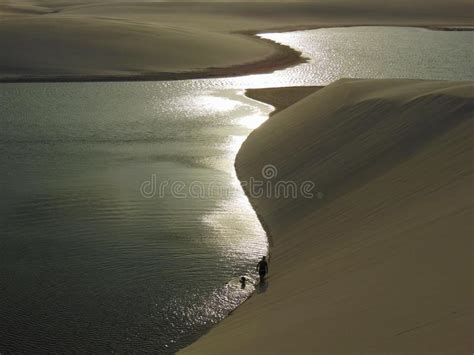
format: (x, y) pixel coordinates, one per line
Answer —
(262, 287)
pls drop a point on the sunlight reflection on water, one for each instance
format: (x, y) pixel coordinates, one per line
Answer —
(125, 272)
(369, 52)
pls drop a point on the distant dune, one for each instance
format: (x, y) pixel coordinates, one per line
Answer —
(50, 40)
(380, 261)
(85, 46)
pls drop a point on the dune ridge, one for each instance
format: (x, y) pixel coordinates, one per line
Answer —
(380, 260)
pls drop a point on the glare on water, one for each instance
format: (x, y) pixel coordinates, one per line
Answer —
(92, 258)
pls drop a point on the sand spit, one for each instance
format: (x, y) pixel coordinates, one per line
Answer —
(281, 98)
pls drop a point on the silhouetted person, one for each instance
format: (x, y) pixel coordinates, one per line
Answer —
(243, 280)
(262, 268)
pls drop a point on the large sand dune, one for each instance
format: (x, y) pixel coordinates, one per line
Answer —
(381, 261)
(94, 40)
(75, 46)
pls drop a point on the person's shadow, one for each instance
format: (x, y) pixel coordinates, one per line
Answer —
(262, 286)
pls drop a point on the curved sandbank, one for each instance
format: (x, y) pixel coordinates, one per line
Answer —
(380, 260)
(54, 40)
(89, 49)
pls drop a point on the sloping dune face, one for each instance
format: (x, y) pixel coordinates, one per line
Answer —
(379, 260)
(90, 46)
(352, 132)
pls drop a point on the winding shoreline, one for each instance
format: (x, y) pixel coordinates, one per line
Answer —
(284, 57)
(327, 298)
(280, 98)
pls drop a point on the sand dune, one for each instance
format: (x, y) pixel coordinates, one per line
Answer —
(88, 46)
(94, 40)
(381, 261)
(231, 16)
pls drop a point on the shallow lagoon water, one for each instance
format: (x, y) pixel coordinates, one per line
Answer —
(96, 256)
(97, 252)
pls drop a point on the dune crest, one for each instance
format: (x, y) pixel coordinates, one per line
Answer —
(380, 260)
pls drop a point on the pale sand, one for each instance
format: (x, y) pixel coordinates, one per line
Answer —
(382, 263)
(55, 40)
(87, 47)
